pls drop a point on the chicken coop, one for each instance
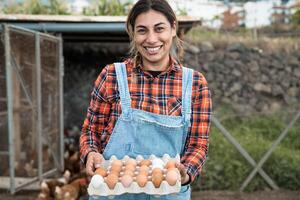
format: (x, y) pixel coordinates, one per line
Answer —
(31, 105)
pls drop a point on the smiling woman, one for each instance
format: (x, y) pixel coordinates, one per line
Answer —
(153, 36)
(150, 103)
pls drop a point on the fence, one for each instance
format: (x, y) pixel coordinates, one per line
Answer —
(31, 118)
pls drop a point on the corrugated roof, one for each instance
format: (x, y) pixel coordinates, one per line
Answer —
(75, 18)
(83, 28)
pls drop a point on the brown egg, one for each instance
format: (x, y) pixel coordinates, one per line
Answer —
(145, 162)
(141, 180)
(117, 163)
(172, 176)
(101, 171)
(131, 161)
(116, 168)
(170, 165)
(130, 167)
(115, 172)
(111, 180)
(157, 178)
(126, 180)
(128, 172)
(157, 171)
(144, 168)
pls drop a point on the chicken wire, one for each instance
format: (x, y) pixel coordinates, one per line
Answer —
(30, 106)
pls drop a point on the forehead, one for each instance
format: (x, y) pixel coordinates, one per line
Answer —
(150, 18)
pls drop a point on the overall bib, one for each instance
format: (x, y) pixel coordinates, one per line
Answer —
(139, 132)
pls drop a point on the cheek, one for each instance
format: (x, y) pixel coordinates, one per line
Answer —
(138, 40)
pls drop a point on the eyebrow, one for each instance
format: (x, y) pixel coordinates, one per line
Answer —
(141, 26)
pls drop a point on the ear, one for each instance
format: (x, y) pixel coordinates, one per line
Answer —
(174, 29)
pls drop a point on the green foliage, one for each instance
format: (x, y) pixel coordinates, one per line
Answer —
(182, 12)
(35, 7)
(295, 18)
(227, 169)
(107, 7)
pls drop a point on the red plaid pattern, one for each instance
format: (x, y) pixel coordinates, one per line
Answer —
(160, 95)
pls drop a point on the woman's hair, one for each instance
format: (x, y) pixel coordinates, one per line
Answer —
(143, 6)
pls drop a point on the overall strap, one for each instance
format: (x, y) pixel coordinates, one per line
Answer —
(187, 84)
(123, 88)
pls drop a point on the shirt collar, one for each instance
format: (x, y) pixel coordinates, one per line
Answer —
(137, 67)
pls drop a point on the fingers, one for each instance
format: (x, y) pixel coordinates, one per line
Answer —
(181, 169)
(93, 162)
(90, 166)
(97, 160)
(183, 172)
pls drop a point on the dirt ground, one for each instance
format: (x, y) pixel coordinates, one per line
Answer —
(203, 195)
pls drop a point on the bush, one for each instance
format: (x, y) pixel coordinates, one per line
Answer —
(227, 169)
(35, 7)
(107, 7)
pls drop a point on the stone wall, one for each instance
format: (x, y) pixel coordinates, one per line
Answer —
(249, 77)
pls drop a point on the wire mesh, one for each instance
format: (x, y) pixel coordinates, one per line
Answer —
(30, 55)
(3, 112)
(50, 101)
(24, 102)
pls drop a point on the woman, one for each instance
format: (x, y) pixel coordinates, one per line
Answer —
(149, 104)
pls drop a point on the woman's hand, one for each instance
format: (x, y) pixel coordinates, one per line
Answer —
(93, 162)
(185, 178)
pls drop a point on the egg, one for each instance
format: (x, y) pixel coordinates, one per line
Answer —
(170, 164)
(97, 180)
(157, 178)
(111, 181)
(101, 171)
(157, 162)
(145, 162)
(126, 180)
(141, 180)
(131, 161)
(172, 176)
(157, 171)
(128, 172)
(144, 169)
(130, 167)
(157, 166)
(117, 163)
(116, 168)
(115, 172)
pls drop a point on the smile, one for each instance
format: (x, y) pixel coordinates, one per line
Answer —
(153, 50)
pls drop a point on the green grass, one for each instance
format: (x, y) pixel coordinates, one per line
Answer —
(227, 169)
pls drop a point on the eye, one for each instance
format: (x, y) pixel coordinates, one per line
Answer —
(160, 29)
(141, 31)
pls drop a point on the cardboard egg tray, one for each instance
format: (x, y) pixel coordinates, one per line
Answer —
(100, 188)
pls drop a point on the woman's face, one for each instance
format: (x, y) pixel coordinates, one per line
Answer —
(153, 36)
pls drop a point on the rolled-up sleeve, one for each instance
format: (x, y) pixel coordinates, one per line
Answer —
(97, 117)
(196, 148)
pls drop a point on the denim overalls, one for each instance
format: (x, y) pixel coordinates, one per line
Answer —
(138, 132)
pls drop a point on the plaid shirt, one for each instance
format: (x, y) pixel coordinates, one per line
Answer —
(160, 95)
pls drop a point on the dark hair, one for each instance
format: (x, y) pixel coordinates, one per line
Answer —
(143, 6)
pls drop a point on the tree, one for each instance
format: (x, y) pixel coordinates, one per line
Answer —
(35, 7)
(107, 7)
(295, 18)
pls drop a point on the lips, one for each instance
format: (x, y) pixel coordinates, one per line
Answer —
(153, 50)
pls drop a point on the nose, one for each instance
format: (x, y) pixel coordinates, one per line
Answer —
(151, 37)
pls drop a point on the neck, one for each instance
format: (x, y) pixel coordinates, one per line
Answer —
(161, 66)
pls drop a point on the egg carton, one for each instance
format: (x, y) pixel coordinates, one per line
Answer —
(98, 187)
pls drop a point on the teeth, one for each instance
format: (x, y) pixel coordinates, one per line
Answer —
(152, 50)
